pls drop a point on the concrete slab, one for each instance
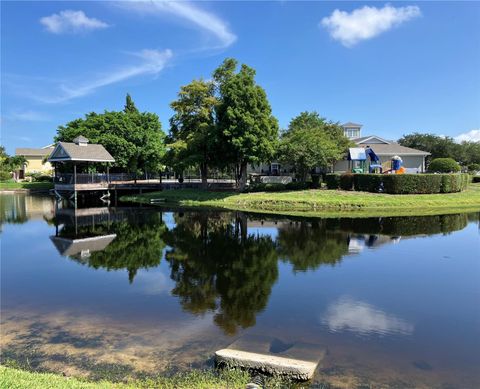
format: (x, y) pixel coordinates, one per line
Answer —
(273, 356)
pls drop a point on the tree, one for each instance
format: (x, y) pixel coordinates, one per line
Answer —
(9, 164)
(437, 146)
(130, 105)
(246, 129)
(134, 139)
(192, 126)
(310, 141)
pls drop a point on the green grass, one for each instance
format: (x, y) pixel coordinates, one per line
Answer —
(325, 203)
(12, 185)
(14, 378)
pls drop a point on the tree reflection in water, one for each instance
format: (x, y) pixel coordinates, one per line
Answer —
(219, 266)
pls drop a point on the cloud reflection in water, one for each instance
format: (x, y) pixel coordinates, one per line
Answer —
(347, 314)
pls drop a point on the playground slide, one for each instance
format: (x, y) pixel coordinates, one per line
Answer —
(402, 170)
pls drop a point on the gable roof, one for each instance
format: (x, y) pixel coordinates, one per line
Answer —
(350, 124)
(33, 152)
(80, 139)
(365, 139)
(66, 151)
(393, 148)
(72, 247)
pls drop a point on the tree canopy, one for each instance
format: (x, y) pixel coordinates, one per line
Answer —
(8, 163)
(310, 141)
(135, 139)
(466, 153)
(192, 127)
(246, 128)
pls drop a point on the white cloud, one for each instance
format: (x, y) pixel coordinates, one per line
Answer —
(152, 62)
(185, 10)
(363, 319)
(366, 22)
(29, 116)
(71, 22)
(470, 136)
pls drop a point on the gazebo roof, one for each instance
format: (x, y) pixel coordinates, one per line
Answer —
(80, 151)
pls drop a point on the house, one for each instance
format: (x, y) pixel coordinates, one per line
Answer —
(36, 160)
(413, 160)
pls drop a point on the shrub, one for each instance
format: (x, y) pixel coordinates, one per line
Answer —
(346, 181)
(262, 187)
(297, 185)
(332, 180)
(5, 176)
(443, 165)
(474, 167)
(412, 183)
(476, 179)
(367, 182)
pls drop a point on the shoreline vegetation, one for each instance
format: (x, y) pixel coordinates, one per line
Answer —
(320, 202)
(25, 186)
(15, 378)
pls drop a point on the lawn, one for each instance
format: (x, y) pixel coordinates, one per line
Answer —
(326, 203)
(13, 378)
(12, 185)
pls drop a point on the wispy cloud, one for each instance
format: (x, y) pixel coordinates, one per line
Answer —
(71, 22)
(152, 63)
(29, 116)
(470, 136)
(366, 22)
(188, 11)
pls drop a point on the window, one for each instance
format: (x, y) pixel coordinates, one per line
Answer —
(352, 132)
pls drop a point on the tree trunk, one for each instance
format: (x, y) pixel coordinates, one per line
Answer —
(242, 177)
(204, 175)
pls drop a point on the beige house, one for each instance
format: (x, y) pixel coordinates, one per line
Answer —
(36, 160)
(413, 160)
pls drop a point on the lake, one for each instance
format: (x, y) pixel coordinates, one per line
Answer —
(132, 291)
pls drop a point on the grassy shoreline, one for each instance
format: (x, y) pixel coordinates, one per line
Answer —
(25, 186)
(321, 203)
(15, 378)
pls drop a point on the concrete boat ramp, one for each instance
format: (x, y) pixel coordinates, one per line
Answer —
(268, 355)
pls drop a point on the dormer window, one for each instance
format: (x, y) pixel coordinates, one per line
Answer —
(351, 130)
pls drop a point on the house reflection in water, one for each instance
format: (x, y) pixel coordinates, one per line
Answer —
(76, 233)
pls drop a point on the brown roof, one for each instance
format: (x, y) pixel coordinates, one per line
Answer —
(31, 152)
(394, 149)
(75, 152)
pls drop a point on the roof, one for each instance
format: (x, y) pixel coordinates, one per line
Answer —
(80, 139)
(31, 152)
(85, 246)
(66, 151)
(350, 124)
(362, 139)
(395, 149)
(357, 154)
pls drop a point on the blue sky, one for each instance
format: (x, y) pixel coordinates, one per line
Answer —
(394, 67)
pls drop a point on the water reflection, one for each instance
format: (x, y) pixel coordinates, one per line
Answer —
(148, 288)
(111, 239)
(363, 319)
(217, 265)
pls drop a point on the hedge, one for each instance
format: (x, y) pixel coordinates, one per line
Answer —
(399, 183)
(368, 182)
(412, 183)
(332, 180)
(346, 181)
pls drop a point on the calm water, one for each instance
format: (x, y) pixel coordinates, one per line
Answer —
(132, 291)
